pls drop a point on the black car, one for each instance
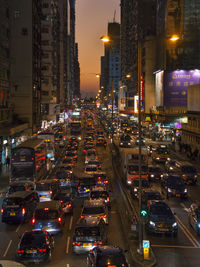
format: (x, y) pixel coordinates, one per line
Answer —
(19, 206)
(125, 141)
(170, 165)
(134, 189)
(22, 185)
(155, 173)
(149, 195)
(172, 185)
(66, 201)
(107, 256)
(35, 246)
(161, 219)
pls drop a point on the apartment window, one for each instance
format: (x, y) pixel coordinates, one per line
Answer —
(16, 14)
(24, 31)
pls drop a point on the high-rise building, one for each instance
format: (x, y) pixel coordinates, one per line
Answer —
(77, 93)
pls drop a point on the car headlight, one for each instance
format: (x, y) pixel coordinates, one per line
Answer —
(121, 143)
(135, 189)
(152, 223)
(195, 176)
(185, 191)
(129, 144)
(198, 225)
(169, 190)
(174, 224)
(158, 158)
(161, 175)
(152, 175)
(171, 168)
(129, 182)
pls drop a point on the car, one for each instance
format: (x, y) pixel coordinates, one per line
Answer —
(91, 169)
(170, 165)
(107, 256)
(161, 220)
(125, 141)
(172, 185)
(35, 246)
(64, 177)
(71, 154)
(66, 201)
(49, 216)
(143, 142)
(19, 206)
(149, 195)
(46, 189)
(74, 139)
(134, 188)
(99, 192)
(88, 147)
(194, 217)
(155, 172)
(95, 208)
(67, 161)
(22, 185)
(101, 179)
(90, 232)
(101, 141)
(187, 171)
(95, 162)
(85, 183)
(91, 154)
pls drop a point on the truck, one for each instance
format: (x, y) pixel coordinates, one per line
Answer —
(130, 163)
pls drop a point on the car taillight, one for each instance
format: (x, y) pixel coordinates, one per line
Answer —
(20, 251)
(33, 220)
(2, 210)
(59, 219)
(42, 250)
(69, 205)
(61, 201)
(79, 188)
(50, 192)
(108, 199)
(76, 243)
(105, 182)
(82, 216)
(23, 211)
(103, 216)
(90, 198)
(97, 243)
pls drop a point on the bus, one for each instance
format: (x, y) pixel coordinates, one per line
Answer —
(49, 140)
(28, 160)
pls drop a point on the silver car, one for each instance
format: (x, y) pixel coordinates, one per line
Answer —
(95, 208)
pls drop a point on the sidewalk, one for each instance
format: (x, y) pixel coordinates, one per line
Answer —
(4, 178)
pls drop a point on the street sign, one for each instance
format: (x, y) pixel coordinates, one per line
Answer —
(146, 246)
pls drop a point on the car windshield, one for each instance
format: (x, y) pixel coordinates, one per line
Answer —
(189, 169)
(67, 160)
(154, 196)
(154, 169)
(163, 151)
(46, 214)
(62, 197)
(99, 194)
(175, 180)
(160, 210)
(70, 154)
(145, 183)
(93, 210)
(15, 201)
(33, 239)
(116, 259)
(16, 188)
(91, 153)
(93, 162)
(87, 231)
(43, 186)
(86, 181)
(91, 169)
(125, 138)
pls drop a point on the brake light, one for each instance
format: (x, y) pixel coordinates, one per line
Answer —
(105, 182)
(33, 220)
(79, 188)
(103, 216)
(69, 205)
(46, 208)
(82, 216)
(2, 210)
(23, 211)
(76, 243)
(97, 243)
(59, 219)
(108, 199)
(50, 192)
(42, 250)
(90, 198)
(61, 201)
(20, 251)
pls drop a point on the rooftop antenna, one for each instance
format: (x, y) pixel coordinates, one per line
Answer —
(114, 16)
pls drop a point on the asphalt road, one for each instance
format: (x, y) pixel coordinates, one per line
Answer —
(62, 254)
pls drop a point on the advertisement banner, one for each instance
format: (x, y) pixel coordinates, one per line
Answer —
(176, 84)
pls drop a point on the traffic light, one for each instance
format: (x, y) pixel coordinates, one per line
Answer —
(143, 213)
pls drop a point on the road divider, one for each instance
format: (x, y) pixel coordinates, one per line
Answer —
(67, 247)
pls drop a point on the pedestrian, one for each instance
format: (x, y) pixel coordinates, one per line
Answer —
(7, 161)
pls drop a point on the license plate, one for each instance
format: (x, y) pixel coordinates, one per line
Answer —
(46, 227)
(178, 195)
(87, 190)
(86, 245)
(62, 180)
(12, 213)
(42, 196)
(31, 251)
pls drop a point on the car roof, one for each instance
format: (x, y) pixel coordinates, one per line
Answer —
(93, 203)
(20, 194)
(108, 250)
(53, 204)
(88, 222)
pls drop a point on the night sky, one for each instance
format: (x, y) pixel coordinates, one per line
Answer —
(92, 17)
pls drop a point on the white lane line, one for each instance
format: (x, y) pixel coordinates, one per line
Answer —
(18, 228)
(70, 223)
(67, 247)
(9, 244)
(184, 207)
(188, 233)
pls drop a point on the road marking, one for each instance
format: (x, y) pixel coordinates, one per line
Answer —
(18, 228)
(67, 248)
(70, 223)
(188, 233)
(172, 246)
(184, 207)
(9, 244)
